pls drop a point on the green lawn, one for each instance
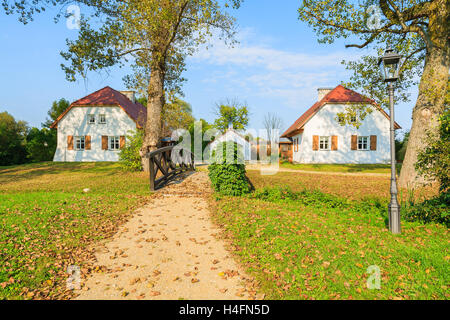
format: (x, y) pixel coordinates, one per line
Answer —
(349, 168)
(317, 248)
(47, 222)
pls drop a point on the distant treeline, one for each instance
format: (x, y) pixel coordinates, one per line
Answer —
(21, 144)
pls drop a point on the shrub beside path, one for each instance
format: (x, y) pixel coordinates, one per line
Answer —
(169, 249)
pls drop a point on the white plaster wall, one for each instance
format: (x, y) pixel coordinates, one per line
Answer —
(231, 136)
(74, 123)
(324, 124)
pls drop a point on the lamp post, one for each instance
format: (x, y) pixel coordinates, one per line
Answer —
(390, 67)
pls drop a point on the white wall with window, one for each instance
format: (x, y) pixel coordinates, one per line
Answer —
(88, 127)
(337, 144)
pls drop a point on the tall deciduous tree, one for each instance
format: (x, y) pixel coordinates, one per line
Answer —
(272, 123)
(12, 140)
(157, 35)
(58, 107)
(176, 114)
(231, 112)
(419, 30)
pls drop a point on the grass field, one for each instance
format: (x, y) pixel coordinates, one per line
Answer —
(295, 249)
(47, 221)
(320, 247)
(348, 168)
(350, 187)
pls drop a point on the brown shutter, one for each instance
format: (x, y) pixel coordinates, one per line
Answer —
(315, 143)
(104, 142)
(334, 143)
(122, 142)
(373, 143)
(354, 142)
(69, 142)
(87, 143)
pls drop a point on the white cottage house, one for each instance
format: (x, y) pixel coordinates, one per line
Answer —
(232, 135)
(317, 137)
(94, 128)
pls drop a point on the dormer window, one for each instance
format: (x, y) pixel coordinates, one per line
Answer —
(102, 119)
(91, 119)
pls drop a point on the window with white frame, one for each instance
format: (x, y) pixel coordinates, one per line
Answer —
(79, 143)
(324, 143)
(91, 119)
(102, 118)
(114, 143)
(353, 119)
(363, 143)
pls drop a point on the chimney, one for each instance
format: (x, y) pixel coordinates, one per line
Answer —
(322, 92)
(130, 95)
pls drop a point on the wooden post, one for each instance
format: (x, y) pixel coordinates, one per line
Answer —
(152, 173)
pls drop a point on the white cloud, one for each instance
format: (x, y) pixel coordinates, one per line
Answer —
(265, 71)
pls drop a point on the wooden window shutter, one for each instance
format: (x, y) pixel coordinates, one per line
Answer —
(87, 143)
(122, 142)
(334, 143)
(104, 142)
(315, 143)
(373, 143)
(69, 142)
(354, 142)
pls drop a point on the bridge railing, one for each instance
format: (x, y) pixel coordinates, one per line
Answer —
(168, 162)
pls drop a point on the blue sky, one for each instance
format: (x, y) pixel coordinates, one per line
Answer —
(277, 67)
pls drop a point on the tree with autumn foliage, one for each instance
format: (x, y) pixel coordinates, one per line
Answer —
(418, 30)
(156, 36)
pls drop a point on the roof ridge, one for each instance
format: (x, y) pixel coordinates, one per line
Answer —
(342, 95)
(92, 94)
(108, 96)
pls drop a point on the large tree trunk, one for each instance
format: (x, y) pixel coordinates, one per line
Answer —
(430, 102)
(155, 104)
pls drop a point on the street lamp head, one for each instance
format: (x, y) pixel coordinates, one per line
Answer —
(390, 65)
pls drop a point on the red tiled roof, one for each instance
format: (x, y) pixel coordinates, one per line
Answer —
(110, 97)
(339, 94)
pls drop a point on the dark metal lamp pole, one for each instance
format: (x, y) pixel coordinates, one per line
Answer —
(390, 67)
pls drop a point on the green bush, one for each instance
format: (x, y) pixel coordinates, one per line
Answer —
(436, 210)
(129, 157)
(41, 144)
(306, 198)
(433, 162)
(227, 170)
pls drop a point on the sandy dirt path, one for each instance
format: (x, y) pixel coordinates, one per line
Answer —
(168, 250)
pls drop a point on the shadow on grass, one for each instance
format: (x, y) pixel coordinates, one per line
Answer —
(35, 170)
(350, 168)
